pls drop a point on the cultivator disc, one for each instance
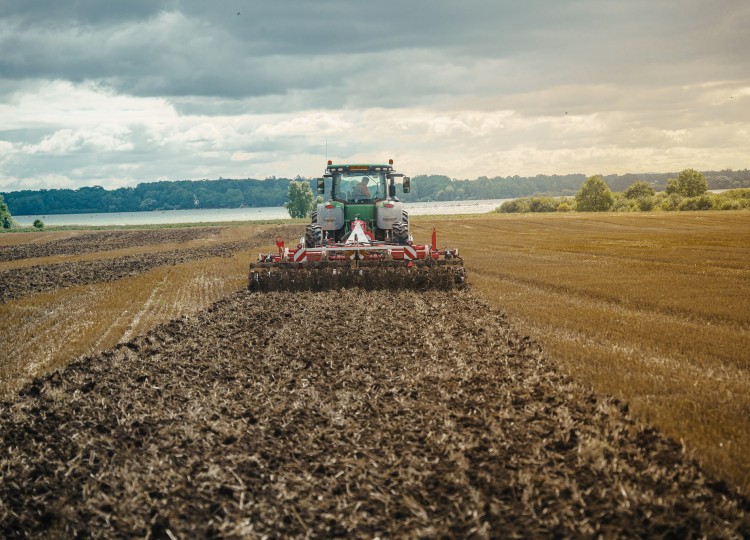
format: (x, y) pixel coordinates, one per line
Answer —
(419, 275)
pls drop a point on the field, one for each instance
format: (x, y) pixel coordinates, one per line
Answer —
(373, 413)
(651, 308)
(79, 301)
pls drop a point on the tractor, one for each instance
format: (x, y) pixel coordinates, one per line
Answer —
(358, 237)
(359, 192)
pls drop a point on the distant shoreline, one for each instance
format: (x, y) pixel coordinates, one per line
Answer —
(225, 215)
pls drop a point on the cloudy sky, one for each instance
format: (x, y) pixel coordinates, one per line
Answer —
(118, 92)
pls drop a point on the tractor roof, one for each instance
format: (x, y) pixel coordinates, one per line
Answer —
(359, 167)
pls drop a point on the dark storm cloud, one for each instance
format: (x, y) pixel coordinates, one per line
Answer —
(351, 27)
(198, 48)
(42, 12)
(206, 49)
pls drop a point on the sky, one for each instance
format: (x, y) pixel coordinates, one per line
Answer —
(113, 93)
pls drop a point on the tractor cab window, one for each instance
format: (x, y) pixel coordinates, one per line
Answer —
(359, 186)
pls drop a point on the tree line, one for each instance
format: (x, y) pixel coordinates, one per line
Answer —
(163, 195)
(443, 188)
(235, 193)
(688, 191)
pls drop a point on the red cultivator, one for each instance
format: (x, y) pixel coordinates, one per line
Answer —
(359, 261)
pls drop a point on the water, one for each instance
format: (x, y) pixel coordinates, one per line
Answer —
(454, 207)
(161, 217)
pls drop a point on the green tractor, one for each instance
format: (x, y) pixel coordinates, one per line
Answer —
(358, 237)
(359, 194)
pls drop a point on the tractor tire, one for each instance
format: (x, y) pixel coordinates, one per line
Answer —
(400, 233)
(313, 235)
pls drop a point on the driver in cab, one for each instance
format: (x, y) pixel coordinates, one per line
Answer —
(361, 191)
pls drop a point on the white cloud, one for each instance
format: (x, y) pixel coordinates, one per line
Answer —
(60, 103)
(68, 141)
(152, 141)
(243, 156)
(6, 151)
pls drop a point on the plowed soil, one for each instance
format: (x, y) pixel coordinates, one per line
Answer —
(350, 413)
(102, 241)
(21, 282)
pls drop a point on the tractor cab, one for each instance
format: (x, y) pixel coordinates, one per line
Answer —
(355, 187)
(359, 192)
(358, 183)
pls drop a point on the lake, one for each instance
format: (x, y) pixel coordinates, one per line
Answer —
(160, 217)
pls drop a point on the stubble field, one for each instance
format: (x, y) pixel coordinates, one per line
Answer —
(651, 308)
(366, 414)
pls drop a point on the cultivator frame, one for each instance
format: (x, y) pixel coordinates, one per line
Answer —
(359, 262)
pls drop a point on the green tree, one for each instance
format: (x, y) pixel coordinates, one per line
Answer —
(673, 187)
(691, 183)
(38, 224)
(300, 201)
(515, 205)
(594, 196)
(6, 220)
(542, 204)
(233, 198)
(639, 190)
(147, 204)
(702, 202)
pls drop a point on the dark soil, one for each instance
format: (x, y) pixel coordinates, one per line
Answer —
(103, 241)
(349, 413)
(21, 282)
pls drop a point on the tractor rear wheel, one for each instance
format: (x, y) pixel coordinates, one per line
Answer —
(400, 233)
(313, 235)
